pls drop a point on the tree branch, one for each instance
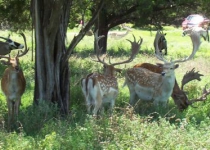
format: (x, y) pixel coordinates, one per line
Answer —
(82, 33)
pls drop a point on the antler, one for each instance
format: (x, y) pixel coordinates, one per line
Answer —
(157, 50)
(189, 76)
(23, 52)
(4, 38)
(195, 38)
(201, 98)
(98, 50)
(195, 41)
(135, 46)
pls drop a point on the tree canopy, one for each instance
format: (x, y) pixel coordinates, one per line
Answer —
(16, 15)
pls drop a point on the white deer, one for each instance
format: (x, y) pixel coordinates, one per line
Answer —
(99, 89)
(118, 35)
(154, 87)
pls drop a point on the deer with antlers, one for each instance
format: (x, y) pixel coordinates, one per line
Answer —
(99, 89)
(13, 83)
(162, 42)
(150, 86)
(179, 95)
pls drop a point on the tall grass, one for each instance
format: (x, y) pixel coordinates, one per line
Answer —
(146, 127)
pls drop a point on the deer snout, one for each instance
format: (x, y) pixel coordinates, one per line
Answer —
(17, 68)
(163, 73)
(21, 46)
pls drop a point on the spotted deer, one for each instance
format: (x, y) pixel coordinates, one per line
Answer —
(100, 89)
(179, 95)
(13, 83)
(151, 86)
(162, 42)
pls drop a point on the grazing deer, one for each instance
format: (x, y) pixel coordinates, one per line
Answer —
(8, 45)
(99, 89)
(162, 42)
(179, 96)
(119, 35)
(201, 31)
(13, 83)
(150, 86)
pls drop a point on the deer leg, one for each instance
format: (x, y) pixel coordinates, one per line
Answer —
(132, 96)
(16, 107)
(9, 106)
(166, 51)
(88, 104)
(112, 103)
(98, 104)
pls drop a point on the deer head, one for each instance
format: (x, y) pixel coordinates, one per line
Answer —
(103, 88)
(12, 44)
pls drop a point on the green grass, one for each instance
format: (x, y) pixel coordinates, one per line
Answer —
(41, 127)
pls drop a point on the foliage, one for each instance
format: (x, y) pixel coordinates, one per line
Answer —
(15, 15)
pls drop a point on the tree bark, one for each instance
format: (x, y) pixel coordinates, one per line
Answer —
(52, 73)
(50, 22)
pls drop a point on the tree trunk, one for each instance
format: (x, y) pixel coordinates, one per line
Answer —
(102, 27)
(52, 73)
(51, 78)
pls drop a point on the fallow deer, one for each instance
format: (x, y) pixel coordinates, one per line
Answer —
(162, 43)
(99, 89)
(119, 35)
(13, 83)
(179, 95)
(150, 86)
(8, 45)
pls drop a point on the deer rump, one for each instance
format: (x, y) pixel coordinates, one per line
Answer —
(97, 94)
(149, 91)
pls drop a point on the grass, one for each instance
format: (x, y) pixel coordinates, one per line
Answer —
(41, 127)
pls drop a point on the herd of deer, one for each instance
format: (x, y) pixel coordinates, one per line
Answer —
(146, 82)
